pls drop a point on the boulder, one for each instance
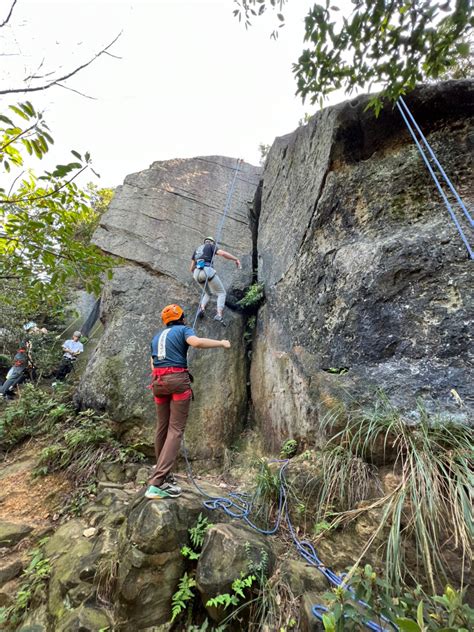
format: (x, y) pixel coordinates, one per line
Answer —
(367, 282)
(11, 533)
(9, 569)
(154, 223)
(229, 551)
(302, 577)
(85, 619)
(151, 563)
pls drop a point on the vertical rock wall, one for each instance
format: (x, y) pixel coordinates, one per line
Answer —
(368, 284)
(154, 223)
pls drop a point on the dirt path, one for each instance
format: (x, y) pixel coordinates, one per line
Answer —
(27, 499)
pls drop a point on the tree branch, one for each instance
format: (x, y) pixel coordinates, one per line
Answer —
(5, 21)
(41, 197)
(64, 77)
(60, 85)
(25, 131)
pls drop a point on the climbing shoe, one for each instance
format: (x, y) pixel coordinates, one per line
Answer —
(155, 492)
(220, 320)
(171, 489)
(201, 313)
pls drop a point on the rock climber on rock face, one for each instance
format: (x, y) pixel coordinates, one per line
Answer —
(206, 276)
(172, 390)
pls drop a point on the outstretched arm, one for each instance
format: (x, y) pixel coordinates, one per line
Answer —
(227, 255)
(192, 266)
(207, 343)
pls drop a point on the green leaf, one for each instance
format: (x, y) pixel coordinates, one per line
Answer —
(20, 112)
(407, 625)
(7, 120)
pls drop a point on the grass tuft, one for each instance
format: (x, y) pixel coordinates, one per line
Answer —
(432, 502)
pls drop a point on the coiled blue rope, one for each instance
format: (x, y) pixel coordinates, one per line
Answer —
(434, 176)
(239, 505)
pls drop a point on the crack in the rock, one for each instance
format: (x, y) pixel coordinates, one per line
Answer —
(148, 268)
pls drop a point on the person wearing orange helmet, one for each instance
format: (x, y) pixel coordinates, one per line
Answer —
(172, 392)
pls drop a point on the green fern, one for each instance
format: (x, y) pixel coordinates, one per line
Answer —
(186, 551)
(238, 587)
(197, 533)
(182, 596)
(224, 599)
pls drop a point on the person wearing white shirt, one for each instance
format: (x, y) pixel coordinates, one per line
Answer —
(72, 348)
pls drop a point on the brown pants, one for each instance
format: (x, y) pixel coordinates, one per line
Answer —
(172, 396)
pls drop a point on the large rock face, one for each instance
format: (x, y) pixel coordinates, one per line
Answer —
(363, 268)
(155, 221)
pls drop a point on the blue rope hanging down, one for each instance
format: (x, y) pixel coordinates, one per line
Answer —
(404, 111)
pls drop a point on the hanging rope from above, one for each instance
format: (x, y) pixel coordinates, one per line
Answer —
(413, 127)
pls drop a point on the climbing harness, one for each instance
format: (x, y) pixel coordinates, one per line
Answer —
(409, 119)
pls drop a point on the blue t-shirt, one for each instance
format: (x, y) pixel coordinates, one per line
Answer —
(169, 346)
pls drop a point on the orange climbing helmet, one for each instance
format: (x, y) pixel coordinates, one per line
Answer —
(170, 313)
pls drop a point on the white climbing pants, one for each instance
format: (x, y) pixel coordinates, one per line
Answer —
(213, 286)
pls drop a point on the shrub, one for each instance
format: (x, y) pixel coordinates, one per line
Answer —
(86, 441)
(253, 298)
(34, 413)
(33, 579)
(412, 611)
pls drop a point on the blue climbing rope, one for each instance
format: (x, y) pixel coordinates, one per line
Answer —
(436, 161)
(435, 177)
(230, 193)
(239, 505)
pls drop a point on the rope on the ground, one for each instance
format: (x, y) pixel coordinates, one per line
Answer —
(435, 178)
(239, 505)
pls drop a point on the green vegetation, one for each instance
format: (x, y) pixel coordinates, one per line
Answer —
(412, 611)
(267, 491)
(394, 45)
(432, 464)
(288, 449)
(184, 596)
(86, 440)
(254, 297)
(33, 580)
(233, 599)
(46, 220)
(36, 412)
(79, 441)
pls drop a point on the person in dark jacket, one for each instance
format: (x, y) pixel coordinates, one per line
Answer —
(172, 391)
(18, 372)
